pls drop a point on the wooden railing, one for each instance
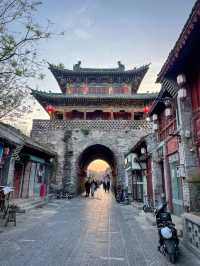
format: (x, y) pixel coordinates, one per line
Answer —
(39, 125)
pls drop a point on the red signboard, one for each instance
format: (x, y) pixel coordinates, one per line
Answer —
(172, 145)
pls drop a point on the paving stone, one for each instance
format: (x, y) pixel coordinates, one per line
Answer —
(85, 232)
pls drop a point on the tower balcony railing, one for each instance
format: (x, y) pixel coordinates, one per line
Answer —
(55, 124)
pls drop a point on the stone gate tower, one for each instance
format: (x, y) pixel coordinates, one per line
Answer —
(99, 114)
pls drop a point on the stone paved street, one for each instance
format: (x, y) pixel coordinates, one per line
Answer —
(84, 232)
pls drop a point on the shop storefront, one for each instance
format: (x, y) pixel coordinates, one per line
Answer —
(24, 164)
(34, 178)
(176, 184)
(176, 181)
(139, 186)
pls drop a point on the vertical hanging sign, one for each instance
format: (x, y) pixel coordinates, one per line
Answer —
(1, 152)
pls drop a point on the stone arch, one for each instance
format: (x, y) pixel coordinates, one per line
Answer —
(91, 153)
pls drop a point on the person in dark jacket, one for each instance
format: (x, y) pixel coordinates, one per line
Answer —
(87, 188)
(108, 185)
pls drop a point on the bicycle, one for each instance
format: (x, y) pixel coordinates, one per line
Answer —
(148, 204)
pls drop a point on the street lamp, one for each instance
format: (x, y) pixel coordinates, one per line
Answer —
(143, 151)
(168, 103)
(181, 81)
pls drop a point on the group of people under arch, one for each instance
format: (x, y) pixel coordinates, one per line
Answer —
(91, 185)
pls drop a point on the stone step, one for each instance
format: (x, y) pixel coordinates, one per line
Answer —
(27, 205)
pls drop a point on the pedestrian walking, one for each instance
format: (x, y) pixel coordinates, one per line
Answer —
(104, 185)
(108, 185)
(96, 185)
(93, 187)
(87, 188)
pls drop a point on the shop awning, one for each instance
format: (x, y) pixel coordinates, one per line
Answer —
(34, 158)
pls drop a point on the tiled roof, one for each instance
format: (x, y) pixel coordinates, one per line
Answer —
(168, 86)
(59, 99)
(190, 27)
(98, 76)
(138, 96)
(15, 136)
(87, 71)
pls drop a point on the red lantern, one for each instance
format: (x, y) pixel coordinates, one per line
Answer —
(50, 109)
(146, 109)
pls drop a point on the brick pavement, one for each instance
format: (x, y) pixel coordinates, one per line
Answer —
(84, 232)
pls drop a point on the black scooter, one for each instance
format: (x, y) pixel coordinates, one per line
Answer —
(168, 238)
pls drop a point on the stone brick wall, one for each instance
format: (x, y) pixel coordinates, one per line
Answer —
(187, 152)
(55, 140)
(70, 143)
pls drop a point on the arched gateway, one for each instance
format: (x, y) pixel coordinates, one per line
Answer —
(99, 114)
(91, 153)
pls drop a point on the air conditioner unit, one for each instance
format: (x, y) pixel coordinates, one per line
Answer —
(180, 171)
(135, 164)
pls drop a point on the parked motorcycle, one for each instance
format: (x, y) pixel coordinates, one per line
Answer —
(60, 192)
(168, 238)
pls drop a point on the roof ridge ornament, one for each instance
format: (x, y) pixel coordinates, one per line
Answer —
(121, 67)
(77, 67)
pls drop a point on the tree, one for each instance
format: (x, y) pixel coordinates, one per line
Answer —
(19, 35)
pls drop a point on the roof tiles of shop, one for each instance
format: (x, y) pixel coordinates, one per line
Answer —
(169, 88)
(16, 137)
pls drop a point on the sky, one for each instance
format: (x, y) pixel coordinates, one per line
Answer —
(102, 32)
(98, 165)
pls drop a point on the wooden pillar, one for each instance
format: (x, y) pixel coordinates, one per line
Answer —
(132, 115)
(111, 115)
(85, 115)
(52, 116)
